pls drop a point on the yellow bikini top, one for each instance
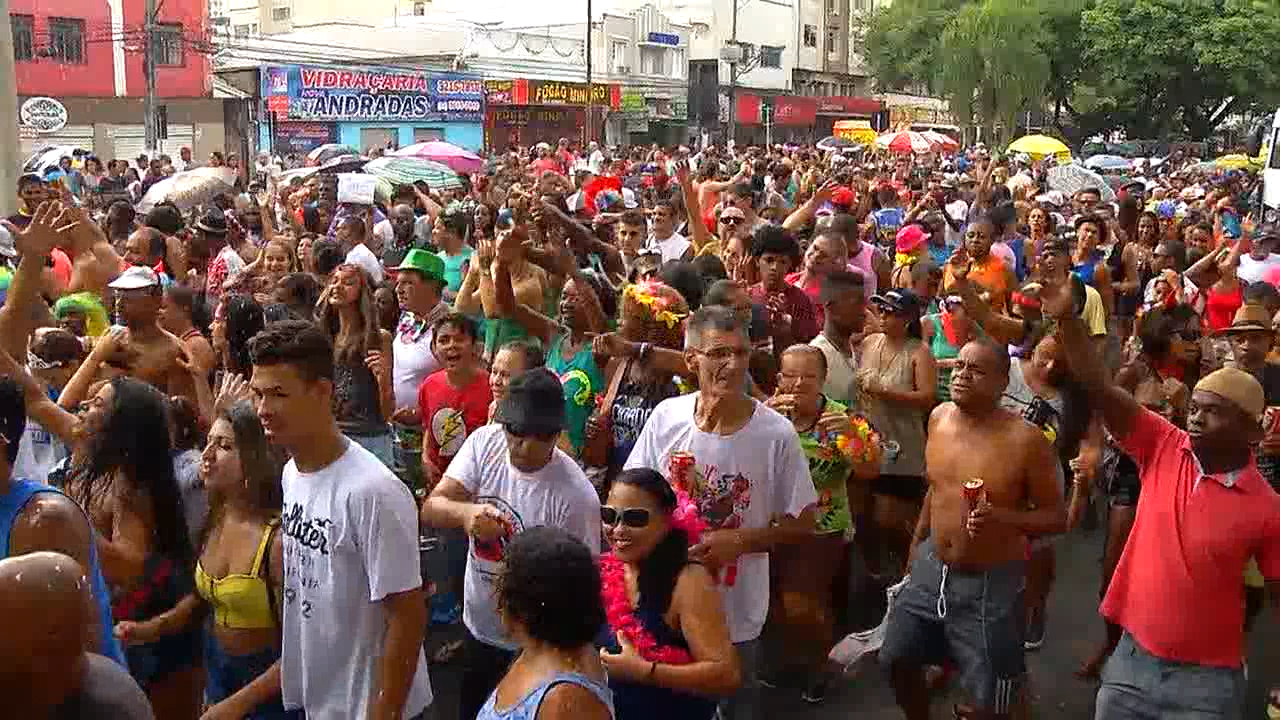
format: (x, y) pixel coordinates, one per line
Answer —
(241, 601)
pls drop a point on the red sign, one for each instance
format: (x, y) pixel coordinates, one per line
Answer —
(846, 105)
(747, 109)
(278, 104)
(794, 110)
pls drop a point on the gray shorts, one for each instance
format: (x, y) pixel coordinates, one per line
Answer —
(1137, 685)
(974, 620)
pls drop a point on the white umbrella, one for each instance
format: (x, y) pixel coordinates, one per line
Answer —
(189, 189)
(1073, 178)
(1108, 162)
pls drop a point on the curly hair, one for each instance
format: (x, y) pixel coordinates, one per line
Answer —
(551, 586)
(244, 319)
(640, 301)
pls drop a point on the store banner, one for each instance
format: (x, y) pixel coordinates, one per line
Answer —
(848, 105)
(747, 109)
(311, 93)
(794, 110)
(301, 138)
(550, 92)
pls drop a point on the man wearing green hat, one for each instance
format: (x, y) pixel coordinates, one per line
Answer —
(420, 290)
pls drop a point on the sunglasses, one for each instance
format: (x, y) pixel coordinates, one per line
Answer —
(1188, 334)
(522, 433)
(630, 517)
(729, 221)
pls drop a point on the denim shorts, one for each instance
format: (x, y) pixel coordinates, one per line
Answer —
(973, 619)
(1137, 685)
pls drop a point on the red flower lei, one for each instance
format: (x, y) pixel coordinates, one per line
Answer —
(621, 616)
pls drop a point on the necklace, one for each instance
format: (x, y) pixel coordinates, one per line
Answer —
(621, 615)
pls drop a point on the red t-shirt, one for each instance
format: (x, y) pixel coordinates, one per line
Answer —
(545, 164)
(1179, 586)
(450, 414)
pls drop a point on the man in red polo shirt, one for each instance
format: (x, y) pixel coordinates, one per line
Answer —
(791, 315)
(1203, 513)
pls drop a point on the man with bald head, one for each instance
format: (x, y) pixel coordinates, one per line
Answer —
(398, 233)
(45, 671)
(36, 517)
(992, 483)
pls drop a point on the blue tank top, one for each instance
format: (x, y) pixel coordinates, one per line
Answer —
(527, 708)
(11, 504)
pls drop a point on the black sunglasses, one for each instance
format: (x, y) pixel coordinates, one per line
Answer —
(1188, 334)
(524, 433)
(631, 517)
(729, 220)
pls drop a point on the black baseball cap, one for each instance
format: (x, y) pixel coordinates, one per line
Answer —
(534, 404)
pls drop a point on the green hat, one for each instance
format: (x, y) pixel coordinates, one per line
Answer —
(425, 262)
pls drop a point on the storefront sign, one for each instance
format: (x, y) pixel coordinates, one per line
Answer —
(633, 102)
(43, 115)
(302, 138)
(300, 92)
(747, 109)
(793, 110)
(503, 92)
(664, 38)
(546, 92)
(848, 105)
(457, 97)
(679, 110)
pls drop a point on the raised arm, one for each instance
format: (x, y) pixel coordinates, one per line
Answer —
(35, 241)
(803, 215)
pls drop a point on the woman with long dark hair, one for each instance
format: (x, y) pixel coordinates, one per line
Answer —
(238, 575)
(363, 397)
(236, 319)
(128, 488)
(668, 652)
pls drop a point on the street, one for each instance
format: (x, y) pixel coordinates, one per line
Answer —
(1073, 632)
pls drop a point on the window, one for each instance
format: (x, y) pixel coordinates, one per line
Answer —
(281, 14)
(811, 36)
(66, 40)
(833, 41)
(651, 60)
(169, 45)
(770, 57)
(241, 31)
(678, 63)
(831, 8)
(420, 7)
(23, 27)
(617, 54)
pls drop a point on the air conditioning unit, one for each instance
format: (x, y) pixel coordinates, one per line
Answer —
(621, 69)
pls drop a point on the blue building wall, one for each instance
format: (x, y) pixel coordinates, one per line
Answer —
(465, 135)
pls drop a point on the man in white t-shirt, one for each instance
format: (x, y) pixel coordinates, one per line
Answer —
(354, 613)
(748, 474)
(1256, 265)
(354, 236)
(663, 236)
(508, 476)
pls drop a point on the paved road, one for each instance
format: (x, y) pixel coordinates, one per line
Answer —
(1073, 631)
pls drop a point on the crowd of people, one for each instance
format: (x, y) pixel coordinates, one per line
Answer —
(636, 419)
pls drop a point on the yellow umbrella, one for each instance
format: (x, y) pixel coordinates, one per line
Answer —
(1039, 145)
(1236, 162)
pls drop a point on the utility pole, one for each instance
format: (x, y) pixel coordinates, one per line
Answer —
(590, 87)
(149, 70)
(733, 77)
(10, 154)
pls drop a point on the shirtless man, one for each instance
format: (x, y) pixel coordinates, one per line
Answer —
(150, 353)
(963, 598)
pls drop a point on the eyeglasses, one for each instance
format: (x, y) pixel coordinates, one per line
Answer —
(724, 353)
(630, 517)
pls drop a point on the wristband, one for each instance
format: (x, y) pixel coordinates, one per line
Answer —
(644, 351)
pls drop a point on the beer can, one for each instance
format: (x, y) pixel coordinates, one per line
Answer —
(973, 491)
(680, 467)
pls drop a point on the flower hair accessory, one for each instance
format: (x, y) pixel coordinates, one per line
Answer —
(648, 293)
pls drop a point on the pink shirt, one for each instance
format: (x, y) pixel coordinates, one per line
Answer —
(1179, 587)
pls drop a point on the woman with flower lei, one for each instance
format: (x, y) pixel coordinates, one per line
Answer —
(838, 448)
(668, 652)
(651, 321)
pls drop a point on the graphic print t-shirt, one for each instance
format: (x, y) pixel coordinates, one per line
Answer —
(741, 481)
(350, 539)
(559, 495)
(449, 414)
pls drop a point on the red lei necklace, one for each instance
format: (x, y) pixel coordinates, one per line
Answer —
(621, 616)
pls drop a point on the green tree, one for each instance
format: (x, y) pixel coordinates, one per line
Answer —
(1168, 65)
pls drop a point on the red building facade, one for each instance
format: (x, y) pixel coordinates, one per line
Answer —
(93, 48)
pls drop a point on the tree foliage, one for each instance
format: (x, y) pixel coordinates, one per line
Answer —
(1150, 67)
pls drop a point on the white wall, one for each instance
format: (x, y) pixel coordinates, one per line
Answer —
(760, 22)
(810, 13)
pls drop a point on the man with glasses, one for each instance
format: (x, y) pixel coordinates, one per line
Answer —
(508, 476)
(752, 482)
(1086, 201)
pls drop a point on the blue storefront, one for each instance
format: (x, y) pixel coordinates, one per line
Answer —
(367, 107)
